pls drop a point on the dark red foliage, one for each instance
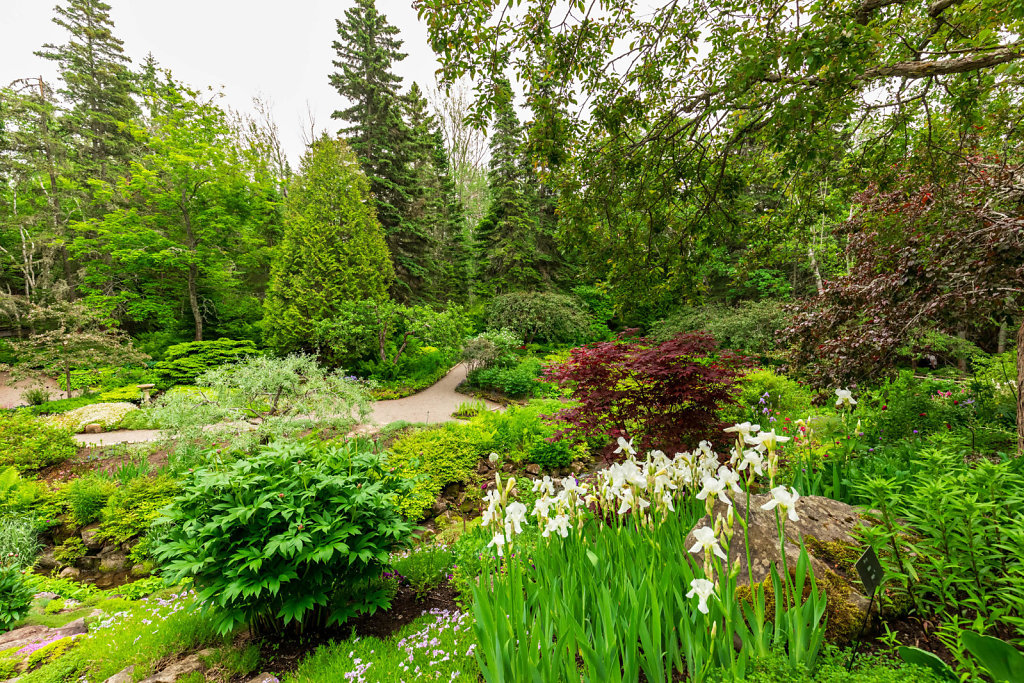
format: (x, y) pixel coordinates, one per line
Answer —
(665, 396)
(946, 258)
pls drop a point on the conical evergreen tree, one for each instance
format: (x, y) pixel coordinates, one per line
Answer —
(546, 153)
(98, 85)
(367, 49)
(506, 246)
(333, 249)
(437, 207)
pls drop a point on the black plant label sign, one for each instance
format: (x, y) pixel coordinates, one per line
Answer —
(870, 571)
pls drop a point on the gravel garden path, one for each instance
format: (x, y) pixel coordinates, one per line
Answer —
(433, 405)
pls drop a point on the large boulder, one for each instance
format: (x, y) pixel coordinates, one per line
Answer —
(181, 668)
(827, 529)
(89, 534)
(114, 562)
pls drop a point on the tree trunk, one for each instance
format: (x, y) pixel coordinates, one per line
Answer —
(961, 362)
(193, 301)
(817, 272)
(1020, 389)
(67, 379)
(1001, 339)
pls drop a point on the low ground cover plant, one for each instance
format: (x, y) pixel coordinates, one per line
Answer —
(138, 634)
(290, 537)
(424, 568)
(437, 646)
(107, 415)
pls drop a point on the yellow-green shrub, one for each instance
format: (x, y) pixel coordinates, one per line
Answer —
(438, 457)
(30, 444)
(785, 395)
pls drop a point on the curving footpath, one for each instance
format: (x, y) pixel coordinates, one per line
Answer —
(432, 405)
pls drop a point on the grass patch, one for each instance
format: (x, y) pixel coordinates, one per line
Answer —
(137, 634)
(436, 647)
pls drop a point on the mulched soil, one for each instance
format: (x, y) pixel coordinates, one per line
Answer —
(101, 459)
(284, 654)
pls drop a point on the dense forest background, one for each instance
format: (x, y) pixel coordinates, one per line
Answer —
(772, 177)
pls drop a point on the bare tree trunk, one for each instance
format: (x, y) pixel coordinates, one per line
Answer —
(193, 269)
(1020, 389)
(193, 301)
(1001, 340)
(961, 362)
(817, 271)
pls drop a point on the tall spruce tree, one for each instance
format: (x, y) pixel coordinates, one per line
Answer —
(506, 244)
(437, 207)
(545, 154)
(98, 86)
(333, 249)
(367, 49)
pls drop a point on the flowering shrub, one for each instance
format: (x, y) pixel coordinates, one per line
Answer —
(292, 535)
(491, 349)
(904, 404)
(108, 415)
(671, 392)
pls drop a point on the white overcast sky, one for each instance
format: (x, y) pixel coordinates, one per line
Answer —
(279, 50)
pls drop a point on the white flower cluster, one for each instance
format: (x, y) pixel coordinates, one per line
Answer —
(106, 414)
(647, 489)
(555, 512)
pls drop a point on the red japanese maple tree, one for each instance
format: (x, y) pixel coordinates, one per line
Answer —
(664, 395)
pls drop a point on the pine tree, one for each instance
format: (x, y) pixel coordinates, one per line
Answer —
(333, 249)
(97, 84)
(367, 49)
(506, 243)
